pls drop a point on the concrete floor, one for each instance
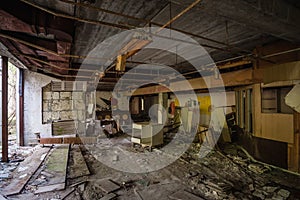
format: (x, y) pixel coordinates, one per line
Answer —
(223, 174)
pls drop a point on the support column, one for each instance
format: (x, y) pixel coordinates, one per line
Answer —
(21, 107)
(4, 109)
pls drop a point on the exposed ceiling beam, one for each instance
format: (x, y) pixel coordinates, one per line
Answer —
(264, 16)
(95, 22)
(236, 78)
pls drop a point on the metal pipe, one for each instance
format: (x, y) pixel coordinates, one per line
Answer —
(179, 15)
(282, 52)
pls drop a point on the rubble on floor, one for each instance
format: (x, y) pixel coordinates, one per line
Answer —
(229, 173)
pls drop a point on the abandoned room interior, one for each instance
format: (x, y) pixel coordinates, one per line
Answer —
(150, 99)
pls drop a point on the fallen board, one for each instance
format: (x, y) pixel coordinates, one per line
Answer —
(107, 185)
(24, 171)
(159, 191)
(184, 195)
(64, 194)
(69, 140)
(56, 164)
(79, 167)
(109, 196)
(28, 196)
(50, 188)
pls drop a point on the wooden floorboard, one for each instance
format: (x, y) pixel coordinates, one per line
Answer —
(24, 171)
(56, 165)
(78, 167)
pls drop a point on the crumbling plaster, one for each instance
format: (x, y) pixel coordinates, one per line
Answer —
(33, 83)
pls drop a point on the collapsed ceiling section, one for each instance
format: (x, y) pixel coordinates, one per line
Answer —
(56, 37)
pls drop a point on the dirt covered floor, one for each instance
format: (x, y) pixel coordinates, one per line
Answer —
(227, 173)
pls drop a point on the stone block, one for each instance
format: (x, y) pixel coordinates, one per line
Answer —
(74, 114)
(81, 115)
(79, 104)
(46, 107)
(55, 95)
(47, 95)
(77, 95)
(66, 115)
(55, 115)
(55, 105)
(66, 105)
(65, 95)
(47, 117)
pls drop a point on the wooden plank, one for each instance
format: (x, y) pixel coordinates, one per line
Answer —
(51, 140)
(107, 185)
(278, 127)
(69, 140)
(79, 167)
(66, 193)
(28, 196)
(56, 164)
(72, 140)
(24, 172)
(236, 78)
(63, 128)
(256, 107)
(109, 196)
(282, 72)
(50, 188)
(184, 195)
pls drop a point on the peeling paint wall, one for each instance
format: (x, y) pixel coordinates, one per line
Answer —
(33, 83)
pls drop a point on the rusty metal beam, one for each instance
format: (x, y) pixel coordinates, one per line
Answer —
(179, 15)
(4, 109)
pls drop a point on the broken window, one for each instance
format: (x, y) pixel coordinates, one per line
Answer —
(273, 100)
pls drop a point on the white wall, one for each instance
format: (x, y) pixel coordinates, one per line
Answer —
(33, 83)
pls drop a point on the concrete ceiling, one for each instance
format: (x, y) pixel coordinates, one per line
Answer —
(53, 37)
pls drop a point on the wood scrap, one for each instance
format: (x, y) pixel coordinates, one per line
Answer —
(107, 185)
(78, 183)
(24, 171)
(66, 193)
(109, 196)
(50, 188)
(28, 196)
(56, 165)
(184, 195)
(78, 167)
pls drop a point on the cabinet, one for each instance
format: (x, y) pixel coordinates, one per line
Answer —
(147, 134)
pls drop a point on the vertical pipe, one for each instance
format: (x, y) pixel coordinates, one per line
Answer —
(4, 109)
(21, 107)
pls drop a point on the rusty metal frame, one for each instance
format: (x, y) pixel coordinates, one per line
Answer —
(4, 109)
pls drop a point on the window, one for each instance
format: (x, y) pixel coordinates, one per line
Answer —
(273, 100)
